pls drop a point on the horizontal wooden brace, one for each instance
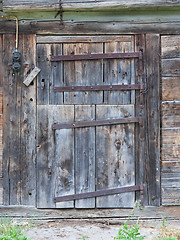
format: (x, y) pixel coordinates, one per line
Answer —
(94, 123)
(99, 88)
(99, 193)
(95, 56)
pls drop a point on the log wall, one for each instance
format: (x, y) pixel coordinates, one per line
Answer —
(170, 131)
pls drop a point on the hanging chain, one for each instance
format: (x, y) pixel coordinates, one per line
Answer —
(60, 12)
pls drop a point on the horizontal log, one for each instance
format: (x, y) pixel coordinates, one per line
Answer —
(170, 88)
(83, 4)
(88, 28)
(171, 67)
(170, 115)
(170, 167)
(170, 46)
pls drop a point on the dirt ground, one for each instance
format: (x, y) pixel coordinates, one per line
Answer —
(75, 230)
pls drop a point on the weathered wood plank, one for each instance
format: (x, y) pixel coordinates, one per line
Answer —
(170, 115)
(170, 144)
(170, 67)
(55, 156)
(85, 156)
(170, 180)
(170, 88)
(91, 4)
(83, 73)
(119, 72)
(170, 166)
(170, 46)
(28, 127)
(170, 196)
(141, 131)
(83, 28)
(115, 156)
(1, 132)
(82, 39)
(153, 117)
(43, 80)
(1, 191)
(56, 76)
(12, 126)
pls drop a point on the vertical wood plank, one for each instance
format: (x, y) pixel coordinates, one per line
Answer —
(153, 117)
(85, 156)
(115, 156)
(55, 156)
(56, 77)
(142, 152)
(28, 125)
(12, 113)
(119, 71)
(83, 73)
(43, 80)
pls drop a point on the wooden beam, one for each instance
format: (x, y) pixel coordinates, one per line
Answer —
(88, 28)
(153, 118)
(11, 5)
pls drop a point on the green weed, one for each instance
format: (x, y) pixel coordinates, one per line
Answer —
(129, 232)
(10, 230)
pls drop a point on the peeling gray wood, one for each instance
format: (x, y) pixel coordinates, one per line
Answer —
(85, 156)
(31, 76)
(28, 126)
(115, 156)
(55, 156)
(11, 126)
(83, 73)
(92, 4)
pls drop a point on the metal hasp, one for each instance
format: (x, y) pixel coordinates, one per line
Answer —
(97, 56)
(94, 123)
(102, 193)
(99, 88)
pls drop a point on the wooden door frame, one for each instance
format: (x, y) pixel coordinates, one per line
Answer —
(148, 157)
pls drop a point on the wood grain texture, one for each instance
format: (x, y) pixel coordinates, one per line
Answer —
(28, 126)
(170, 115)
(43, 80)
(170, 196)
(141, 135)
(170, 67)
(85, 147)
(115, 156)
(1, 132)
(170, 88)
(170, 46)
(12, 126)
(89, 28)
(170, 144)
(75, 4)
(83, 73)
(119, 72)
(153, 117)
(55, 156)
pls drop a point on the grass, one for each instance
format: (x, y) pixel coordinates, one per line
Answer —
(11, 230)
(168, 233)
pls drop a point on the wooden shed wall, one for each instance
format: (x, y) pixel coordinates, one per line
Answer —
(170, 150)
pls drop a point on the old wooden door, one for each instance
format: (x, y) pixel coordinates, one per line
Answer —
(86, 159)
